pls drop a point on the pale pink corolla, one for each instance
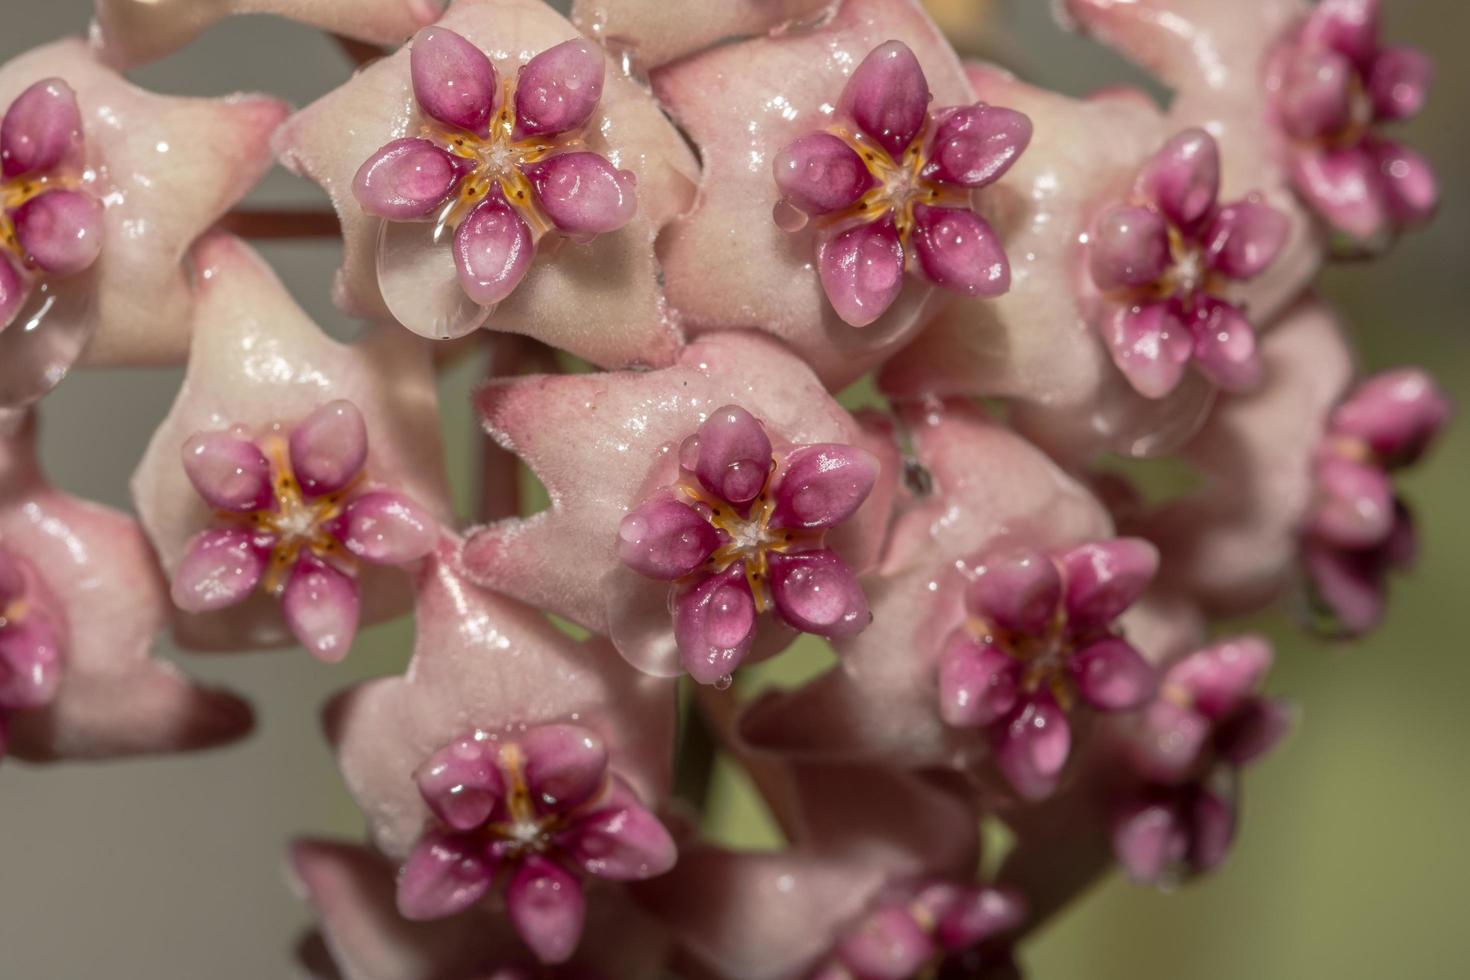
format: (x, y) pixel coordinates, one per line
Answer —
(588, 144)
(729, 264)
(132, 180)
(292, 462)
(508, 755)
(614, 450)
(650, 33)
(81, 606)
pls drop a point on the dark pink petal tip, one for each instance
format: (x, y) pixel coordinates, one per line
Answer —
(1129, 248)
(1397, 413)
(329, 448)
(1150, 345)
(714, 624)
(547, 908)
(734, 455)
(408, 179)
(492, 251)
(816, 592)
(1033, 745)
(819, 174)
(624, 842)
(861, 269)
(1149, 839)
(229, 473)
(1106, 577)
(1399, 82)
(823, 485)
(975, 145)
(1112, 676)
(978, 683)
(886, 943)
(957, 249)
(60, 231)
(1217, 679)
(444, 875)
(559, 88)
(1355, 504)
(41, 128)
(1245, 237)
(1225, 348)
(979, 914)
(321, 607)
(583, 194)
(13, 292)
(564, 766)
(665, 539)
(461, 782)
(387, 528)
(888, 96)
(1183, 178)
(1019, 591)
(30, 664)
(453, 80)
(220, 568)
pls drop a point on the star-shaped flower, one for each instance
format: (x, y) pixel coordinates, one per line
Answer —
(287, 458)
(652, 33)
(164, 169)
(418, 271)
(81, 605)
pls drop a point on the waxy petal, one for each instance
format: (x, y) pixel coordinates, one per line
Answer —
(1104, 578)
(321, 605)
(453, 80)
(583, 194)
(329, 447)
(444, 875)
(13, 292)
(714, 625)
(60, 231)
(886, 945)
(1032, 747)
(819, 173)
(1183, 178)
(1316, 98)
(1129, 247)
(1019, 590)
(665, 539)
(1255, 730)
(978, 683)
(1355, 507)
(979, 914)
(492, 251)
(1149, 839)
(1212, 820)
(734, 455)
(1218, 678)
(462, 782)
(546, 905)
(957, 249)
(559, 89)
(1349, 27)
(564, 766)
(862, 270)
(1399, 82)
(1397, 413)
(888, 96)
(408, 179)
(822, 486)
(1244, 237)
(42, 128)
(1343, 187)
(230, 473)
(1410, 186)
(973, 146)
(387, 528)
(220, 568)
(31, 664)
(1225, 346)
(816, 592)
(1112, 676)
(622, 843)
(1349, 586)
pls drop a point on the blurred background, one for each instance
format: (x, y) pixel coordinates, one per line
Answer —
(1353, 861)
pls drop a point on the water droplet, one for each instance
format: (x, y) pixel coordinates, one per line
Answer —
(723, 682)
(787, 217)
(420, 284)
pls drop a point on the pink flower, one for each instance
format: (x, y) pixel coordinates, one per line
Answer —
(1164, 261)
(890, 184)
(1333, 84)
(742, 532)
(31, 658)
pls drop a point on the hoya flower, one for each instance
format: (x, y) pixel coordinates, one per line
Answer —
(1207, 724)
(890, 183)
(81, 605)
(1038, 636)
(1039, 346)
(451, 160)
(290, 467)
(497, 162)
(106, 283)
(352, 891)
(763, 108)
(509, 755)
(742, 531)
(732, 474)
(133, 32)
(1333, 85)
(1164, 262)
(651, 33)
(1358, 530)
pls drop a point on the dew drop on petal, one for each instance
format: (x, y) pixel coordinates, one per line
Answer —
(420, 284)
(787, 217)
(723, 682)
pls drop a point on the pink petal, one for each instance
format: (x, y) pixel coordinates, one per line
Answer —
(219, 568)
(665, 539)
(819, 173)
(1112, 676)
(1183, 178)
(816, 592)
(959, 250)
(979, 914)
(1212, 831)
(973, 146)
(1220, 677)
(321, 607)
(462, 782)
(13, 292)
(1410, 187)
(547, 907)
(453, 80)
(1225, 346)
(31, 662)
(888, 96)
(329, 447)
(1397, 413)
(1018, 590)
(1355, 504)
(1150, 346)
(60, 231)
(41, 128)
(230, 473)
(559, 89)
(1255, 730)
(1170, 741)
(492, 251)
(408, 179)
(977, 683)
(886, 945)
(1245, 237)
(622, 843)
(1032, 747)
(1148, 840)
(1399, 82)
(1129, 247)
(387, 528)
(445, 874)
(823, 485)
(1349, 586)
(1103, 578)
(734, 455)
(582, 193)
(1343, 187)
(1349, 27)
(564, 765)
(1316, 97)
(862, 270)
(714, 624)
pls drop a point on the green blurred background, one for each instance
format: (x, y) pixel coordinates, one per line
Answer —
(1352, 862)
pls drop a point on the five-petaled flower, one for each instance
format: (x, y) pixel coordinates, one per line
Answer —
(1332, 84)
(1164, 261)
(30, 642)
(743, 531)
(925, 930)
(1207, 723)
(1359, 530)
(498, 161)
(528, 809)
(296, 514)
(50, 227)
(1040, 634)
(890, 179)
